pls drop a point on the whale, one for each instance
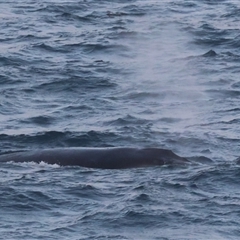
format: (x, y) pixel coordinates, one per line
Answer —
(102, 158)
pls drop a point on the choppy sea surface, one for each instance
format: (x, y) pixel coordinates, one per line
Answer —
(121, 73)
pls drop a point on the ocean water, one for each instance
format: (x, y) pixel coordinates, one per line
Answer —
(121, 73)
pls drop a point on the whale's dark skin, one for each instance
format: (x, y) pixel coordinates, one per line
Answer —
(105, 158)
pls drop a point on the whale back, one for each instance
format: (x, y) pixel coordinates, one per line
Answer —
(105, 158)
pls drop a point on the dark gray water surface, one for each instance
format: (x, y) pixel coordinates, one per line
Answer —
(121, 73)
